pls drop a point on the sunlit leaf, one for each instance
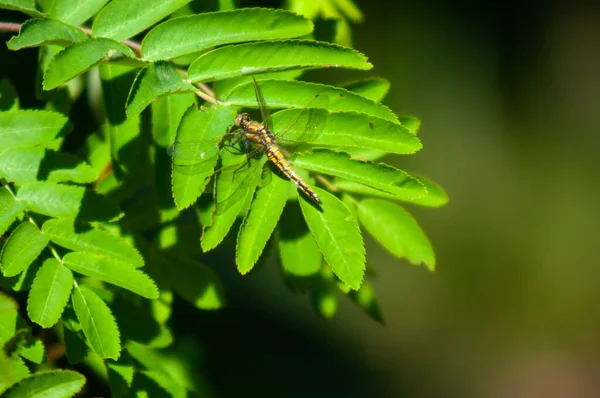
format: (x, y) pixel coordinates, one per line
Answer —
(374, 88)
(122, 19)
(350, 130)
(233, 193)
(337, 234)
(28, 128)
(67, 201)
(74, 12)
(120, 378)
(38, 32)
(195, 151)
(396, 230)
(25, 6)
(97, 322)
(49, 293)
(26, 164)
(237, 60)
(436, 196)
(9, 209)
(260, 222)
(157, 79)
(189, 34)
(376, 175)
(22, 247)
(53, 383)
(297, 94)
(81, 56)
(113, 271)
(91, 240)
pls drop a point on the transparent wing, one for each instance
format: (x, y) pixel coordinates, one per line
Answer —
(264, 111)
(302, 126)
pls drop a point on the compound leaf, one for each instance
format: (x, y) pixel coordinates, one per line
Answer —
(93, 240)
(122, 19)
(28, 128)
(188, 34)
(39, 32)
(97, 322)
(157, 79)
(297, 94)
(338, 236)
(54, 383)
(260, 222)
(81, 56)
(10, 208)
(113, 271)
(75, 12)
(25, 6)
(22, 247)
(49, 293)
(374, 88)
(376, 175)
(273, 56)
(396, 230)
(351, 130)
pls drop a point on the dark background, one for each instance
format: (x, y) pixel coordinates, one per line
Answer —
(509, 98)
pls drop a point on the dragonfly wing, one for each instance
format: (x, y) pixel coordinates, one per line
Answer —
(194, 157)
(238, 177)
(300, 126)
(264, 111)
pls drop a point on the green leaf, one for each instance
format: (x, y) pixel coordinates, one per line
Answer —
(39, 32)
(22, 247)
(12, 370)
(260, 222)
(49, 293)
(74, 12)
(350, 10)
(157, 79)
(27, 164)
(365, 298)
(338, 236)
(167, 113)
(396, 230)
(67, 201)
(113, 271)
(9, 98)
(233, 193)
(376, 175)
(297, 94)
(189, 34)
(351, 130)
(120, 378)
(237, 60)
(436, 196)
(195, 152)
(23, 281)
(374, 88)
(9, 209)
(122, 19)
(93, 240)
(223, 87)
(28, 128)
(53, 383)
(97, 323)
(25, 6)
(195, 283)
(298, 251)
(79, 57)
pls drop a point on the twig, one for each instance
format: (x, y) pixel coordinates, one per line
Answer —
(10, 27)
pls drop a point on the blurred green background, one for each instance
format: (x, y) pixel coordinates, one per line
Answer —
(509, 98)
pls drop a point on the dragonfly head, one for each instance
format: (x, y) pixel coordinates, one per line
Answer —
(242, 119)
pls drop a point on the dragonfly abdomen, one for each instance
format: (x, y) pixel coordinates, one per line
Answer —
(275, 156)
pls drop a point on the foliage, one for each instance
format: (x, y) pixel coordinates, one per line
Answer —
(92, 235)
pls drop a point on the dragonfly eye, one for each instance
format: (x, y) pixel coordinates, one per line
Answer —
(242, 119)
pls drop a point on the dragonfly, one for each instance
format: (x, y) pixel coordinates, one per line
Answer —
(252, 138)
